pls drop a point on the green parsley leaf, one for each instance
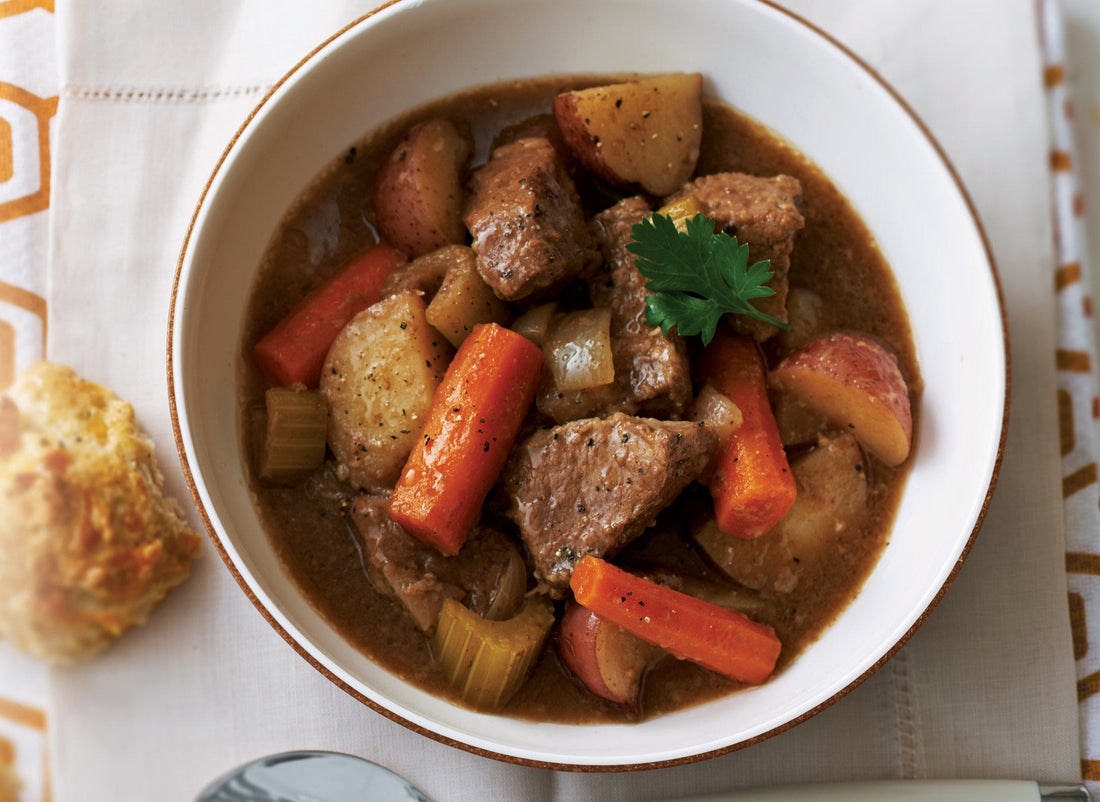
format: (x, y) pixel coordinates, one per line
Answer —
(696, 276)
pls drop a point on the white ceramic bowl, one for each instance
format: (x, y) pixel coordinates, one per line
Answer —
(755, 56)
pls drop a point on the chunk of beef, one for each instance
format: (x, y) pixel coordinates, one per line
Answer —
(591, 486)
(539, 125)
(529, 230)
(763, 212)
(656, 364)
(652, 375)
(482, 576)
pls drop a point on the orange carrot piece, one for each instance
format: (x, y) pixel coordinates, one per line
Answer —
(474, 418)
(295, 350)
(751, 482)
(723, 640)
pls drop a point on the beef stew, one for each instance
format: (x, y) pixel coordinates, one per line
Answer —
(384, 590)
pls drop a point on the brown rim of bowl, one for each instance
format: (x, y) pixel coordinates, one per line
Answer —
(624, 767)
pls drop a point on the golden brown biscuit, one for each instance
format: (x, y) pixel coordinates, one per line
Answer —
(89, 544)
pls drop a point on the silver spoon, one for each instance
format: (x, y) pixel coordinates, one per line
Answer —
(311, 777)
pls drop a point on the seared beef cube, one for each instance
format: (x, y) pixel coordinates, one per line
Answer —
(657, 364)
(543, 126)
(591, 486)
(529, 230)
(763, 212)
(652, 375)
(488, 575)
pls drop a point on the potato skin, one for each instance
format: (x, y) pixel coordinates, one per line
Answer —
(378, 380)
(418, 192)
(609, 661)
(643, 133)
(856, 383)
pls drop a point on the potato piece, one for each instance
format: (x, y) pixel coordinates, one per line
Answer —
(641, 133)
(464, 299)
(798, 424)
(378, 380)
(855, 383)
(831, 502)
(418, 193)
(832, 481)
(608, 660)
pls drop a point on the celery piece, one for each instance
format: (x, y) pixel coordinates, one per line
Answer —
(487, 661)
(294, 440)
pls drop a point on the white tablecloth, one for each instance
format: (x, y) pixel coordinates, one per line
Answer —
(150, 94)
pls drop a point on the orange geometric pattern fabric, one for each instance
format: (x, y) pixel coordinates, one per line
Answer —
(41, 110)
(25, 173)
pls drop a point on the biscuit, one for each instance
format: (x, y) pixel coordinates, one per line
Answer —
(89, 544)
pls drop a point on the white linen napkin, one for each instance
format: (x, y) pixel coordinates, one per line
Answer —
(151, 93)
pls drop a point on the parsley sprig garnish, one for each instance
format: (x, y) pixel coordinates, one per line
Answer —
(695, 276)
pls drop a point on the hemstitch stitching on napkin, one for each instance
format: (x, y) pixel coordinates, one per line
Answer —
(908, 733)
(155, 95)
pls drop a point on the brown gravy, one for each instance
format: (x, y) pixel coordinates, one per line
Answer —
(834, 255)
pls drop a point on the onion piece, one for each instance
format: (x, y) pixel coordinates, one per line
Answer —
(510, 589)
(534, 324)
(578, 350)
(718, 410)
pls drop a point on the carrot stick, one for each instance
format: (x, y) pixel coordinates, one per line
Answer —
(751, 482)
(473, 421)
(295, 350)
(723, 640)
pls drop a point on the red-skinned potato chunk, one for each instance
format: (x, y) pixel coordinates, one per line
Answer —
(608, 660)
(854, 382)
(418, 193)
(642, 133)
